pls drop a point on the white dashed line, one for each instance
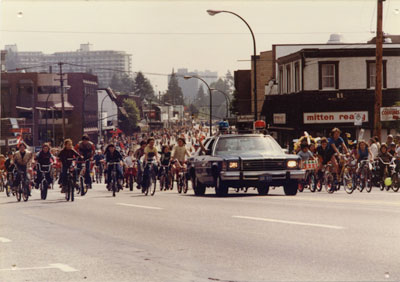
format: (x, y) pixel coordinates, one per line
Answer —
(289, 222)
(4, 240)
(137, 206)
(59, 266)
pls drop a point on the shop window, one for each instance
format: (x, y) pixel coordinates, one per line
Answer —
(281, 80)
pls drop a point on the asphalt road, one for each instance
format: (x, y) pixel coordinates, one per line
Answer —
(172, 237)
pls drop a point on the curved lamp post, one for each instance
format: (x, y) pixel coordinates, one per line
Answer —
(214, 12)
(209, 92)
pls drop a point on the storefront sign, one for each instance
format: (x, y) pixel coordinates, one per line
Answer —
(280, 118)
(390, 113)
(245, 118)
(12, 142)
(334, 117)
(2, 142)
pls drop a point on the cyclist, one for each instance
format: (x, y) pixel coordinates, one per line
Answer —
(363, 152)
(384, 156)
(335, 144)
(179, 155)
(165, 158)
(305, 154)
(150, 152)
(139, 153)
(128, 163)
(44, 157)
(113, 156)
(87, 149)
(21, 160)
(98, 159)
(65, 156)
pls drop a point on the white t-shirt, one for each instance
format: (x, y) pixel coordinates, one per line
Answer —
(128, 161)
(374, 151)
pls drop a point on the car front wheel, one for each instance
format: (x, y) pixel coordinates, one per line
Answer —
(263, 190)
(198, 187)
(290, 188)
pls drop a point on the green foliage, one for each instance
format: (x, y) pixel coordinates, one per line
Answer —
(201, 98)
(219, 101)
(174, 93)
(129, 124)
(142, 87)
(122, 83)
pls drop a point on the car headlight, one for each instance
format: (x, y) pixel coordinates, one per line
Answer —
(292, 164)
(233, 165)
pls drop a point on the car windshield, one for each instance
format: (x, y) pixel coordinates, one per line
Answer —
(247, 144)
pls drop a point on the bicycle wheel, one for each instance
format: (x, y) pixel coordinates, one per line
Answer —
(179, 186)
(1, 185)
(395, 182)
(300, 186)
(8, 189)
(153, 185)
(43, 190)
(312, 182)
(368, 180)
(348, 183)
(25, 193)
(130, 182)
(329, 183)
(71, 191)
(114, 187)
(18, 193)
(185, 185)
(67, 193)
(83, 186)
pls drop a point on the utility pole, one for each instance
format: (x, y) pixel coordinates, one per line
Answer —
(378, 78)
(60, 64)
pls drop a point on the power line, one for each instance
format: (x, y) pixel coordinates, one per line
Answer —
(176, 33)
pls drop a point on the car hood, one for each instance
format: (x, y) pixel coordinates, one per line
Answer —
(257, 156)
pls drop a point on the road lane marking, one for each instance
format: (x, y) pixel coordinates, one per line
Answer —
(4, 240)
(289, 222)
(137, 206)
(59, 266)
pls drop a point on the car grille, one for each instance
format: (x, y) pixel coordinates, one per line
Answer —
(264, 165)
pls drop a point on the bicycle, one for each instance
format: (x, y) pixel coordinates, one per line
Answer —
(390, 176)
(2, 183)
(23, 187)
(98, 173)
(182, 180)
(113, 182)
(130, 176)
(82, 187)
(43, 184)
(9, 182)
(165, 178)
(363, 177)
(71, 181)
(149, 181)
(328, 178)
(346, 170)
(309, 180)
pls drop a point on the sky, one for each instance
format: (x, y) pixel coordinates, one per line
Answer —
(166, 35)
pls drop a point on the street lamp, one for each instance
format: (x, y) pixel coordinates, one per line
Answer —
(209, 92)
(228, 100)
(214, 12)
(101, 116)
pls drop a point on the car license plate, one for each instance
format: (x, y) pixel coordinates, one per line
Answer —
(267, 178)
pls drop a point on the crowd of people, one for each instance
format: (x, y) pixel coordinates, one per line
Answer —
(171, 148)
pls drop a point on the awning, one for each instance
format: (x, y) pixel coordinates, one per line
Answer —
(67, 106)
(280, 128)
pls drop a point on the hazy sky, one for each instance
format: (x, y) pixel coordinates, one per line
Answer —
(162, 35)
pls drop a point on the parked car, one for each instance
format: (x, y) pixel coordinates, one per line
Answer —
(244, 160)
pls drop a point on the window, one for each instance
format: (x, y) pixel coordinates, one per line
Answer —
(296, 77)
(328, 75)
(281, 80)
(371, 74)
(288, 80)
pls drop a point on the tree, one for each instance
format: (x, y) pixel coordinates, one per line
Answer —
(174, 93)
(129, 124)
(142, 87)
(219, 100)
(201, 99)
(122, 83)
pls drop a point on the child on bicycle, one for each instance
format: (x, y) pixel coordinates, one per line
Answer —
(65, 156)
(112, 155)
(165, 158)
(305, 154)
(384, 157)
(44, 158)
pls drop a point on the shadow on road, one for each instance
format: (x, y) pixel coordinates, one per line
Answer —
(237, 195)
